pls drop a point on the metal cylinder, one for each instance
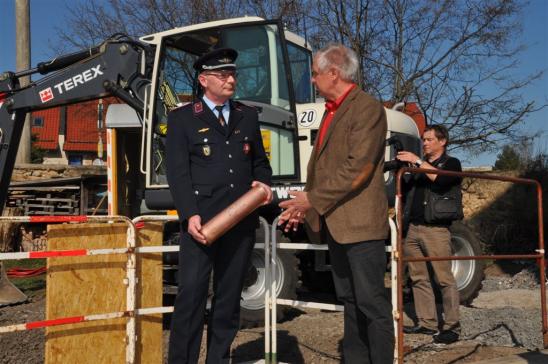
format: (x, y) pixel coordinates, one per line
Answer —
(233, 214)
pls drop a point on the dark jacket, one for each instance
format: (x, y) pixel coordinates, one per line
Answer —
(210, 166)
(417, 187)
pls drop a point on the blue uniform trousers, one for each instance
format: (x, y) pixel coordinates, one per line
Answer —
(228, 258)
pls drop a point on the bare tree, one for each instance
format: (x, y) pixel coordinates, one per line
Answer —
(453, 57)
(90, 22)
(353, 23)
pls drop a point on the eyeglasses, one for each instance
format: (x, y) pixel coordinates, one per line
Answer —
(318, 73)
(223, 75)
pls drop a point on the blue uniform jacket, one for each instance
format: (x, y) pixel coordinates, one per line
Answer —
(210, 166)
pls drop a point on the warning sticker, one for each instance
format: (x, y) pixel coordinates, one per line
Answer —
(266, 143)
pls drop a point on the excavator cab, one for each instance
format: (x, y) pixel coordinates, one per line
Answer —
(263, 82)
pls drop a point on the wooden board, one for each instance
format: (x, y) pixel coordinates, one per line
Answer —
(149, 294)
(94, 285)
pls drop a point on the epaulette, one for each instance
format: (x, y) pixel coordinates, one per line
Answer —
(181, 106)
(241, 106)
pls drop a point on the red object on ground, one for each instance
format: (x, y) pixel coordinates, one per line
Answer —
(24, 272)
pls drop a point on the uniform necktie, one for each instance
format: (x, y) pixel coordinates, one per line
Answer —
(221, 118)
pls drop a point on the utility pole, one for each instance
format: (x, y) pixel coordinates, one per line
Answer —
(22, 59)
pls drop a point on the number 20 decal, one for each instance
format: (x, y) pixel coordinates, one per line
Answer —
(307, 118)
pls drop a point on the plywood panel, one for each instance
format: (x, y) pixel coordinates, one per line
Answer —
(149, 294)
(92, 285)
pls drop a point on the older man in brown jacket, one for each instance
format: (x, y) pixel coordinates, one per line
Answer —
(345, 200)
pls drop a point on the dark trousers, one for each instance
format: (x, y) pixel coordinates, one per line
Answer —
(358, 273)
(228, 257)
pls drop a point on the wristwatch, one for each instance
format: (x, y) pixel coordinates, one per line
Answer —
(418, 162)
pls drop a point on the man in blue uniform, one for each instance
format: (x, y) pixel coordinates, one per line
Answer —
(214, 155)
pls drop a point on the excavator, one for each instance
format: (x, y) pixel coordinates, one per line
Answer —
(152, 75)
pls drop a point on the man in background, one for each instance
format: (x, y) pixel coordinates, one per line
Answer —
(429, 236)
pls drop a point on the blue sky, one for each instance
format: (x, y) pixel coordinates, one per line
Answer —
(48, 14)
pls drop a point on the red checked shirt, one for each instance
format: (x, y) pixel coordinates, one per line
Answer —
(331, 108)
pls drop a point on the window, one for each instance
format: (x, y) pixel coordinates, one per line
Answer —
(262, 82)
(75, 160)
(38, 121)
(300, 73)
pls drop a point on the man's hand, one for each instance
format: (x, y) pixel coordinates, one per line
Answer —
(295, 210)
(267, 189)
(194, 227)
(412, 158)
(408, 157)
(291, 218)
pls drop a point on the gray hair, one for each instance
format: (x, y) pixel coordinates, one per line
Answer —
(340, 57)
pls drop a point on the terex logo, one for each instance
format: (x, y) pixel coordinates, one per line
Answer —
(79, 79)
(46, 95)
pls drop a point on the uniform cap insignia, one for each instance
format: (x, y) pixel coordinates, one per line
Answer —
(225, 60)
(247, 148)
(198, 107)
(203, 130)
(207, 150)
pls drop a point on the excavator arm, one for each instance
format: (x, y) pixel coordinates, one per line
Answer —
(119, 67)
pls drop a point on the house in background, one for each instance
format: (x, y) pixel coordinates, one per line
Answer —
(73, 134)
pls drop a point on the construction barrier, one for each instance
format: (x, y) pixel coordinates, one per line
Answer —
(131, 250)
(398, 260)
(539, 256)
(271, 299)
(166, 249)
(130, 273)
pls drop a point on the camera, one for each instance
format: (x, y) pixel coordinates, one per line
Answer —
(394, 164)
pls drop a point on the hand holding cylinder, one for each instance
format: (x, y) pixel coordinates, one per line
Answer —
(233, 214)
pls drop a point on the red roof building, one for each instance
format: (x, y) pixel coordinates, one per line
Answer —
(82, 134)
(45, 124)
(71, 130)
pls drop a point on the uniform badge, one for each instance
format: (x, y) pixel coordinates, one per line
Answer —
(203, 130)
(247, 148)
(237, 131)
(198, 107)
(207, 150)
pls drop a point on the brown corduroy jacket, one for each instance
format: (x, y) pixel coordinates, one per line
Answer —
(345, 181)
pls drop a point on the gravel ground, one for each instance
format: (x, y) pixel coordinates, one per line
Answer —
(527, 278)
(23, 347)
(504, 319)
